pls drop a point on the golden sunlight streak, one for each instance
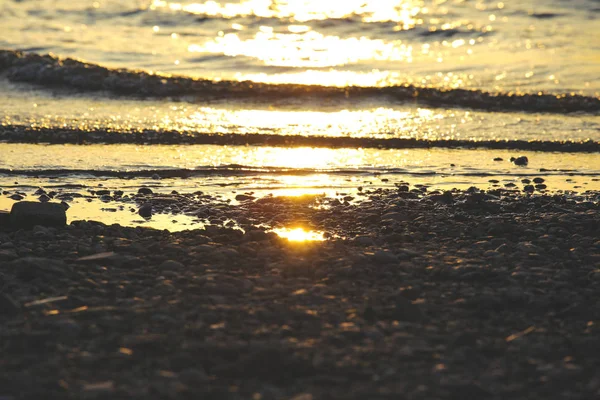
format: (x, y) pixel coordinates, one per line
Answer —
(404, 12)
(330, 77)
(299, 234)
(310, 49)
(360, 123)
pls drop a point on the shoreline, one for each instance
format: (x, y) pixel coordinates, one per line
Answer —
(471, 294)
(58, 136)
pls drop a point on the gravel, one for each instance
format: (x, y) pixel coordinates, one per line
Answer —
(483, 295)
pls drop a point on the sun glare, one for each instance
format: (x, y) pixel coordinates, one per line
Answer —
(299, 235)
(404, 12)
(309, 49)
(374, 122)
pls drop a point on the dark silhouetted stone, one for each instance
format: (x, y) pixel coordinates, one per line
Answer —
(520, 161)
(145, 190)
(244, 197)
(27, 214)
(4, 219)
(145, 210)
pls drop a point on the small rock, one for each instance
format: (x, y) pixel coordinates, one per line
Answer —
(16, 197)
(540, 186)
(171, 265)
(446, 197)
(528, 188)
(364, 240)
(244, 197)
(145, 190)
(385, 257)
(498, 159)
(108, 257)
(520, 161)
(538, 180)
(156, 176)
(145, 210)
(27, 214)
(44, 198)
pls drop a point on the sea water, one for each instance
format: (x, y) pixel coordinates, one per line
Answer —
(368, 94)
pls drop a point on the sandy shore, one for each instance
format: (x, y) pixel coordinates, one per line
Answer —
(463, 295)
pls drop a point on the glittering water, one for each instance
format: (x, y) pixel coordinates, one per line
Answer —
(527, 46)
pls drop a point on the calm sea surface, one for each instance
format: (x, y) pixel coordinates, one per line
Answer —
(440, 74)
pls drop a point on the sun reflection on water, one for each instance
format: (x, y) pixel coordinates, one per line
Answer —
(310, 47)
(300, 234)
(305, 50)
(356, 123)
(404, 12)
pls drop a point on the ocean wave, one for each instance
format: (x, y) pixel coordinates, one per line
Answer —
(27, 134)
(51, 71)
(234, 170)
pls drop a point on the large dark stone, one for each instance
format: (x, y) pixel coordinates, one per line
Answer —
(4, 219)
(27, 214)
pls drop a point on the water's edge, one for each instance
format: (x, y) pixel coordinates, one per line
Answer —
(51, 71)
(25, 134)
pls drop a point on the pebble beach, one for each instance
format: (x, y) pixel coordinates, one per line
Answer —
(299, 200)
(442, 295)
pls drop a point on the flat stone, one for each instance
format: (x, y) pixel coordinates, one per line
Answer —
(244, 197)
(27, 214)
(8, 255)
(108, 257)
(171, 265)
(28, 268)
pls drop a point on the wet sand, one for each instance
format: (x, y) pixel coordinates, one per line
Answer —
(464, 294)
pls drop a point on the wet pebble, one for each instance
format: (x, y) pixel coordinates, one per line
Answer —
(145, 210)
(528, 188)
(520, 161)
